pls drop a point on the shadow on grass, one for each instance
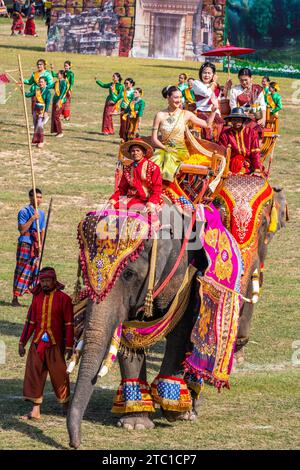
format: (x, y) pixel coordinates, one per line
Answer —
(10, 328)
(25, 48)
(12, 407)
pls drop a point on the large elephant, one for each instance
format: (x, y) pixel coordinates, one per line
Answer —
(123, 303)
(274, 213)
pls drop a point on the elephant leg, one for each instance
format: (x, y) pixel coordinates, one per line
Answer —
(177, 345)
(134, 367)
(244, 326)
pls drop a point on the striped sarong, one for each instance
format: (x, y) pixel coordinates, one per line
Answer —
(26, 270)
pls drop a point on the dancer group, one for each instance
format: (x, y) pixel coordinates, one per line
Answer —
(193, 106)
(42, 82)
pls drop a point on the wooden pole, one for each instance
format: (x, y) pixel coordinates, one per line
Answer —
(29, 150)
(228, 67)
(45, 236)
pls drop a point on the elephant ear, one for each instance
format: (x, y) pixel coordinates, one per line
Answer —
(281, 205)
(108, 241)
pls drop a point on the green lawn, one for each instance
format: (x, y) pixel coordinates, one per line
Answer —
(262, 408)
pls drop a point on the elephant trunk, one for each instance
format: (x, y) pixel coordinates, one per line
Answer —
(100, 324)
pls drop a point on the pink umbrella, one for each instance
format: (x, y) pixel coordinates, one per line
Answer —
(228, 51)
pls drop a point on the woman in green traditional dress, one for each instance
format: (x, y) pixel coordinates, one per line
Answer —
(128, 96)
(115, 94)
(34, 80)
(135, 111)
(177, 144)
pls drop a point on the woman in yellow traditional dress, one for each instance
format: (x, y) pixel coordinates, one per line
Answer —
(177, 144)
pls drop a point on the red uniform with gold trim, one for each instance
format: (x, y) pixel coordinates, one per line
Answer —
(245, 151)
(50, 319)
(141, 182)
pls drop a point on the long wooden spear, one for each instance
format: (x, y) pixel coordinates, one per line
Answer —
(45, 235)
(29, 150)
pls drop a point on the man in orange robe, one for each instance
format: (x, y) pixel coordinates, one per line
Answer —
(50, 320)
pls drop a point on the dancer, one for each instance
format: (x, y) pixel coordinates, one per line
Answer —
(265, 83)
(274, 99)
(182, 84)
(189, 96)
(128, 96)
(50, 320)
(70, 77)
(40, 113)
(115, 94)
(171, 123)
(26, 270)
(30, 23)
(58, 101)
(17, 26)
(34, 79)
(204, 90)
(134, 114)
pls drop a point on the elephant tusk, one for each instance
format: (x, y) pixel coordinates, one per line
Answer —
(245, 299)
(75, 357)
(113, 351)
(255, 286)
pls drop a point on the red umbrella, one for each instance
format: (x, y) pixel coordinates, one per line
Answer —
(228, 51)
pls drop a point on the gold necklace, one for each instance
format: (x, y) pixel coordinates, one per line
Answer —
(171, 117)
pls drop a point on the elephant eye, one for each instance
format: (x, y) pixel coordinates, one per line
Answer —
(128, 275)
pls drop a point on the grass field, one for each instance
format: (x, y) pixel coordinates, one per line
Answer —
(262, 408)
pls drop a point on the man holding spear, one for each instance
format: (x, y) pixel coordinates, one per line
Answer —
(31, 225)
(28, 252)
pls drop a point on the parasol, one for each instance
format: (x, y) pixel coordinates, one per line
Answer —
(228, 51)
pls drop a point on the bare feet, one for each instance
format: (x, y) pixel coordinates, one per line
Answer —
(34, 414)
(15, 302)
(40, 145)
(29, 416)
(59, 135)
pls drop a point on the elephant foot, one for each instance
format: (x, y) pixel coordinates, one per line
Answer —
(173, 416)
(74, 443)
(240, 356)
(137, 421)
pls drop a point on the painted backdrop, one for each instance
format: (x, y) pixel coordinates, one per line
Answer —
(176, 29)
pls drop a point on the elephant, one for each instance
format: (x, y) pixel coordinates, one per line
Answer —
(264, 236)
(126, 299)
(123, 303)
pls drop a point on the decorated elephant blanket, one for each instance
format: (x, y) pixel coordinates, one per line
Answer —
(244, 198)
(215, 331)
(108, 240)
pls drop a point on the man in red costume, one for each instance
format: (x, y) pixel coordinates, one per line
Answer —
(50, 319)
(244, 142)
(141, 182)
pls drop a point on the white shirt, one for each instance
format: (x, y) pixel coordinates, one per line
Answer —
(205, 92)
(238, 90)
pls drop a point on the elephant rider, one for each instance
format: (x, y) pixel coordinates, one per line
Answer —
(50, 320)
(244, 142)
(141, 182)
